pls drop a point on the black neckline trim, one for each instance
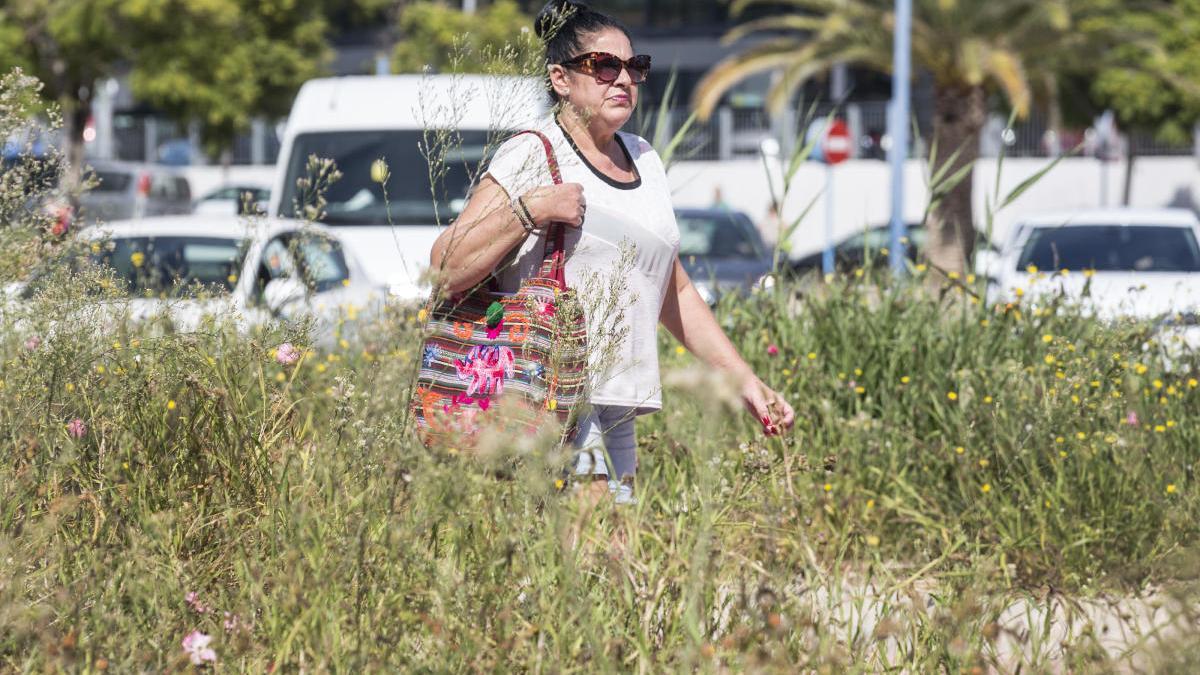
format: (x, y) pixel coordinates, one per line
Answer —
(620, 185)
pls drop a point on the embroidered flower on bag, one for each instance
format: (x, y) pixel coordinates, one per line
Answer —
(431, 354)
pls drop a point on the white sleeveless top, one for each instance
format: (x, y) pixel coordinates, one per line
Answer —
(637, 214)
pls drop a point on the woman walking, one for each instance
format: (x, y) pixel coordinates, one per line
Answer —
(617, 201)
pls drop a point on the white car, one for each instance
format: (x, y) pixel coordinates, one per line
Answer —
(251, 272)
(1117, 262)
(231, 200)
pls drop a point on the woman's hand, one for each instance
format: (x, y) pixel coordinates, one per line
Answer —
(767, 406)
(556, 204)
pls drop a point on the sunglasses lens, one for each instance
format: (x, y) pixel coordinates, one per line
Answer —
(640, 68)
(608, 69)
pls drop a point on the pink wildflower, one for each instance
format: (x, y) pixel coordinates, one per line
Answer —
(1132, 419)
(77, 428)
(193, 601)
(772, 350)
(287, 354)
(852, 384)
(195, 645)
(232, 622)
(32, 343)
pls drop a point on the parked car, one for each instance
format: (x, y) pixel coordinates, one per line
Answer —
(721, 251)
(233, 200)
(871, 245)
(196, 266)
(1116, 262)
(129, 190)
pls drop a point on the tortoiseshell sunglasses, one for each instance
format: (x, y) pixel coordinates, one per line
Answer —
(607, 67)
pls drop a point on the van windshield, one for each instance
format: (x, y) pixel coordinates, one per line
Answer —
(356, 199)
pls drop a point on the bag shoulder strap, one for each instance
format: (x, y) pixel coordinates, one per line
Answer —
(555, 236)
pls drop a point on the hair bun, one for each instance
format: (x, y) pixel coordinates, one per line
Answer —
(555, 14)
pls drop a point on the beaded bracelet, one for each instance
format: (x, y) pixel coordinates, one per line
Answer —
(522, 213)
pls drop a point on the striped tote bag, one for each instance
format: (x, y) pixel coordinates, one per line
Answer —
(504, 363)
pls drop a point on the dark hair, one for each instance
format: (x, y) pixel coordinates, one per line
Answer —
(561, 26)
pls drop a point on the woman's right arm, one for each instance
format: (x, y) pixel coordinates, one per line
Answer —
(487, 230)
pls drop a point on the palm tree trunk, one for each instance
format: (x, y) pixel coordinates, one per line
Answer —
(959, 115)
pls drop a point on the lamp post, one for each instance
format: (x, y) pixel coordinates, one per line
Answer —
(898, 128)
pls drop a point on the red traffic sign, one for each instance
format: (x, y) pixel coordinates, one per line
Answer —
(835, 147)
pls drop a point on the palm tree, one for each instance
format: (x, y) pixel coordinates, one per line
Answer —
(970, 48)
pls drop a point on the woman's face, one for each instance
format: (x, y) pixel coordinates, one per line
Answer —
(609, 104)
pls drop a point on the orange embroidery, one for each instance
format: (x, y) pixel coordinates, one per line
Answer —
(518, 330)
(430, 408)
(463, 331)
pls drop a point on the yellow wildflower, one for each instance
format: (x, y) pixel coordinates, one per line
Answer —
(872, 540)
(987, 487)
(953, 396)
(812, 356)
(905, 380)
(828, 487)
(1047, 338)
(1170, 488)
(170, 404)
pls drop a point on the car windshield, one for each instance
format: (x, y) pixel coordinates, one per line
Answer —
(180, 266)
(412, 198)
(1112, 248)
(717, 235)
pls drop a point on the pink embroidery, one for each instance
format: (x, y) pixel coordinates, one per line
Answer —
(544, 307)
(485, 367)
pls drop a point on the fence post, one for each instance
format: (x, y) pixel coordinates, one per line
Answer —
(150, 136)
(854, 124)
(1196, 141)
(724, 133)
(787, 132)
(258, 141)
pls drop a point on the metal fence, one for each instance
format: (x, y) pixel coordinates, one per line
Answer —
(731, 133)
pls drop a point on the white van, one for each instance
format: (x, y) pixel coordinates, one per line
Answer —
(357, 120)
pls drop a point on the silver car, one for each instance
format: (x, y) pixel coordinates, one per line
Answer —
(126, 190)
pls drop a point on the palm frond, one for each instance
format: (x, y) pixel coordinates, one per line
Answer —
(773, 23)
(1004, 66)
(724, 75)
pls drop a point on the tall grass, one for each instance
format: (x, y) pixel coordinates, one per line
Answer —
(290, 497)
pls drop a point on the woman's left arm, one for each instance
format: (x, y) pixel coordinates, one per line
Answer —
(690, 320)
